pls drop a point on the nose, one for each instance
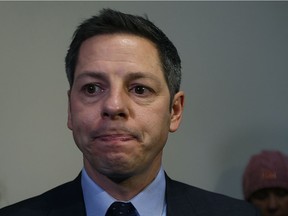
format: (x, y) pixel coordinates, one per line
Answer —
(115, 105)
(272, 204)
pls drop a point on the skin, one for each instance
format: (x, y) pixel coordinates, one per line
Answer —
(119, 112)
(271, 201)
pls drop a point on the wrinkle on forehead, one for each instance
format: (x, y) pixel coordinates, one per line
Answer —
(122, 43)
(116, 49)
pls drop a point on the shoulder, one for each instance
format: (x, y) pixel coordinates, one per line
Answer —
(204, 201)
(41, 204)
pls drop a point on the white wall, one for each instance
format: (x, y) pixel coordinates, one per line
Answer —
(234, 75)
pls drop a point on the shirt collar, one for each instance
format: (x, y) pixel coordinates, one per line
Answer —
(150, 201)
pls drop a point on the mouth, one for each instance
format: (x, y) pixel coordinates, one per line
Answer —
(114, 135)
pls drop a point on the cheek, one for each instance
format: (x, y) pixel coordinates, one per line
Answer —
(260, 204)
(82, 120)
(82, 129)
(285, 204)
(154, 117)
(156, 124)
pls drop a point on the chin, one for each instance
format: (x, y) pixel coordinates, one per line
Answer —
(118, 177)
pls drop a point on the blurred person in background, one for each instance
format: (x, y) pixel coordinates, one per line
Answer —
(265, 183)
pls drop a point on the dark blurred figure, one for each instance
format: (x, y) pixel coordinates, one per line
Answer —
(265, 183)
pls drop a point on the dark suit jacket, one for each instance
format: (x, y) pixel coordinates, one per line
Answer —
(182, 200)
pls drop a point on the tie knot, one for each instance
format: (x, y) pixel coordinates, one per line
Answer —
(121, 209)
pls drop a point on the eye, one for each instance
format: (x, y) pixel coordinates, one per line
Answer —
(92, 89)
(141, 90)
(261, 194)
(281, 192)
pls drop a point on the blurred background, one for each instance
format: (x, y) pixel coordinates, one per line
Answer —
(235, 75)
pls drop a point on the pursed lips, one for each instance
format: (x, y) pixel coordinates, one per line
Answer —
(120, 133)
(115, 137)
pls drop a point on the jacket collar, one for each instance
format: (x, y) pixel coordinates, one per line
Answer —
(178, 202)
(74, 202)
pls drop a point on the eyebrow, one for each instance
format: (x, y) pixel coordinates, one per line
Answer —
(96, 75)
(142, 75)
(129, 76)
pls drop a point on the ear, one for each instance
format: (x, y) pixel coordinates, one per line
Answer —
(69, 120)
(177, 111)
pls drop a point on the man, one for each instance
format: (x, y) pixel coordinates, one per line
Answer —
(265, 183)
(124, 99)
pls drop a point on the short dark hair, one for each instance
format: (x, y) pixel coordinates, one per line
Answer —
(110, 22)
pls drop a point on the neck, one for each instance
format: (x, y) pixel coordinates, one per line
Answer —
(125, 188)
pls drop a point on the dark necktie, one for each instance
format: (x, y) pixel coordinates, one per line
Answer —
(121, 209)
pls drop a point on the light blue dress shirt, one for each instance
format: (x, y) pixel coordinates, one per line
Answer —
(149, 202)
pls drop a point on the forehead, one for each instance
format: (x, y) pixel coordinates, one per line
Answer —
(118, 53)
(119, 47)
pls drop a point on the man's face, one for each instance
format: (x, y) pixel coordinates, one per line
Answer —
(119, 106)
(271, 201)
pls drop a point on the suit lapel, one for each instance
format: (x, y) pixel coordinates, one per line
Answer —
(69, 210)
(181, 201)
(72, 201)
